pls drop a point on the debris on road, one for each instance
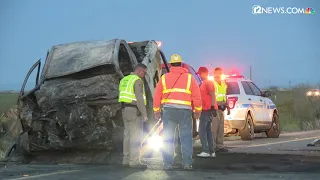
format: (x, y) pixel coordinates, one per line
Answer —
(315, 142)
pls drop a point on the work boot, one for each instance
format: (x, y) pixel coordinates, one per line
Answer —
(187, 167)
(203, 154)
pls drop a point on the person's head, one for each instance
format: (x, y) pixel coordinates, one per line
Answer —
(140, 70)
(203, 72)
(176, 60)
(217, 73)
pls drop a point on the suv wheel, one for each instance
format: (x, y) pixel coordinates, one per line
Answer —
(248, 132)
(274, 131)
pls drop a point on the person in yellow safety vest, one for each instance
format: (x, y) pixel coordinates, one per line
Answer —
(220, 105)
(133, 101)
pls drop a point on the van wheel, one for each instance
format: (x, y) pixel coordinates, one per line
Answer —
(274, 131)
(248, 132)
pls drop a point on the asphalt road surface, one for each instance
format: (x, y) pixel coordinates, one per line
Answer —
(286, 157)
(290, 143)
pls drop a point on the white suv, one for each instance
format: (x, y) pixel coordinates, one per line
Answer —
(251, 111)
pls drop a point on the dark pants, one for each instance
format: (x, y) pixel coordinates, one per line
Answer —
(172, 117)
(205, 132)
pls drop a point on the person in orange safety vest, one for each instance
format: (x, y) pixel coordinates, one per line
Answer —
(175, 94)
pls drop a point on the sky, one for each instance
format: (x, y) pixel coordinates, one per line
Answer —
(279, 47)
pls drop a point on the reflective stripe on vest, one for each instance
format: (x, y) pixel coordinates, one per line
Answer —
(220, 91)
(165, 90)
(126, 89)
(174, 101)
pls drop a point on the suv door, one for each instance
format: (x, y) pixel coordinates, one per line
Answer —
(264, 110)
(24, 94)
(254, 102)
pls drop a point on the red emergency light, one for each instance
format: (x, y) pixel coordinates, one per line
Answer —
(237, 76)
(234, 76)
(224, 77)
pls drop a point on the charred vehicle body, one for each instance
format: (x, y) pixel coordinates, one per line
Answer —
(75, 101)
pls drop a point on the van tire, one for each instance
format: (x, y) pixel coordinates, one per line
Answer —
(274, 130)
(247, 133)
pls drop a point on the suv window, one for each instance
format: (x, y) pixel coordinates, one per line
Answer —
(194, 74)
(255, 89)
(247, 88)
(233, 88)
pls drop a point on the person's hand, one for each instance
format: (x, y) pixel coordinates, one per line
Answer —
(157, 115)
(196, 115)
(228, 113)
(215, 106)
(213, 111)
(145, 119)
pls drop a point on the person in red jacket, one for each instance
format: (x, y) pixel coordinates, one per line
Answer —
(208, 112)
(174, 94)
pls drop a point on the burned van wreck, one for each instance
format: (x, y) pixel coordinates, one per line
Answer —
(75, 101)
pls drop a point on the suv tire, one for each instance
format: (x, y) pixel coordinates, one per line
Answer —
(248, 132)
(274, 130)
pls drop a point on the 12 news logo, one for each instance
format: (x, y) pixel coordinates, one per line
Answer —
(257, 9)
